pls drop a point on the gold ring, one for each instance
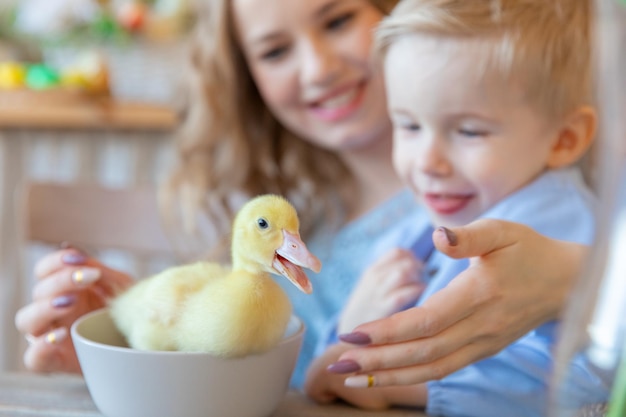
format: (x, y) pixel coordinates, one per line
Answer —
(51, 338)
(370, 381)
(78, 276)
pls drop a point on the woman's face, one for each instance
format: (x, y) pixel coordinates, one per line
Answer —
(311, 61)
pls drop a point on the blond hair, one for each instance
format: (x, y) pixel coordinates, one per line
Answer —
(544, 44)
(230, 144)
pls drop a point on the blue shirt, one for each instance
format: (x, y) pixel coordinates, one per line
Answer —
(515, 382)
(345, 254)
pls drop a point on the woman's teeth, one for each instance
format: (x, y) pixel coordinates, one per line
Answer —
(340, 100)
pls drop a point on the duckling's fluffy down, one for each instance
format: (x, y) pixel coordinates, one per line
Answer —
(203, 307)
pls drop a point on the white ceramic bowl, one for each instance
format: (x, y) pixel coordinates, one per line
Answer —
(125, 382)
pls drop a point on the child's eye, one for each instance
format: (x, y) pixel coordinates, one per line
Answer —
(411, 127)
(403, 122)
(274, 53)
(472, 133)
(340, 21)
(407, 127)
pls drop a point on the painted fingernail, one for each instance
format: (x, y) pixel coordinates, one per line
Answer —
(450, 235)
(63, 301)
(355, 338)
(74, 258)
(345, 366)
(56, 336)
(85, 276)
(360, 381)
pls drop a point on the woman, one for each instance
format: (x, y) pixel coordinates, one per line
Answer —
(284, 98)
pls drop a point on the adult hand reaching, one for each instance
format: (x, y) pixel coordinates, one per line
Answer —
(69, 285)
(517, 280)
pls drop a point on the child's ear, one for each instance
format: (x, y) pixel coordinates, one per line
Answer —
(574, 138)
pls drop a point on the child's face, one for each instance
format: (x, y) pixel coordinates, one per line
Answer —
(311, 61)
(462, 141)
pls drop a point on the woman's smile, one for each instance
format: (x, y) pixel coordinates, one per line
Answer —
(340, 104)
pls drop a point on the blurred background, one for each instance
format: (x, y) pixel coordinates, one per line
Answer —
(88, 96)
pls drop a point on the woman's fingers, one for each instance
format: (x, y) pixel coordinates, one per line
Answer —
(64, 271)
(49, 352)
(65, 280)
(488, 306)
(41, 354)
(55, 261)
(424, 372)
(471, 324)
(69, 285)
(439, 312)
(444, 323)
(478, 238)
(463, 296)
(38, 316)
(412, 352)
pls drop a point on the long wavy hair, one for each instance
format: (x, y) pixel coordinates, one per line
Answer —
(231, 147)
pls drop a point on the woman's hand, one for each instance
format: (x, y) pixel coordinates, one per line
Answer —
(517, 280)
(386, 287)
(69, 285)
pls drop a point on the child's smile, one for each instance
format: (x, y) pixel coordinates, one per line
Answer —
(446, 204)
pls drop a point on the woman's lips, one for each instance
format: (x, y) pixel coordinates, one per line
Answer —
(447, 203)
(339, 106)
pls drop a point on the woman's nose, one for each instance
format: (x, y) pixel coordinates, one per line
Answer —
(319, 63)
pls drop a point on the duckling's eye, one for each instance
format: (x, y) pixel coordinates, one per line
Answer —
(263, 224)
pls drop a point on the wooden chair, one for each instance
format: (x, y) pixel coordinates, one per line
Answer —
(122, 225)
(94, 217)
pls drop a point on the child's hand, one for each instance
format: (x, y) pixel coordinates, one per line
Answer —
(69, 285)
(386, 287)
(325, 387)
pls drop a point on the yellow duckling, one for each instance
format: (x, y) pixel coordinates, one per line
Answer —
(224, 311)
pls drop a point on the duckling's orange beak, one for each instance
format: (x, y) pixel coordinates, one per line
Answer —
(291, 257)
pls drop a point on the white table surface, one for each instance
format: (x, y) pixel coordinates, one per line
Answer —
(38, 395)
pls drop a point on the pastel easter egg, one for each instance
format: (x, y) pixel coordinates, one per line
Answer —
(40, 76)
(12, 75)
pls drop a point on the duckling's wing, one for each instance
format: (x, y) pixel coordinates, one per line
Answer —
(148, 311)
(170, 290)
